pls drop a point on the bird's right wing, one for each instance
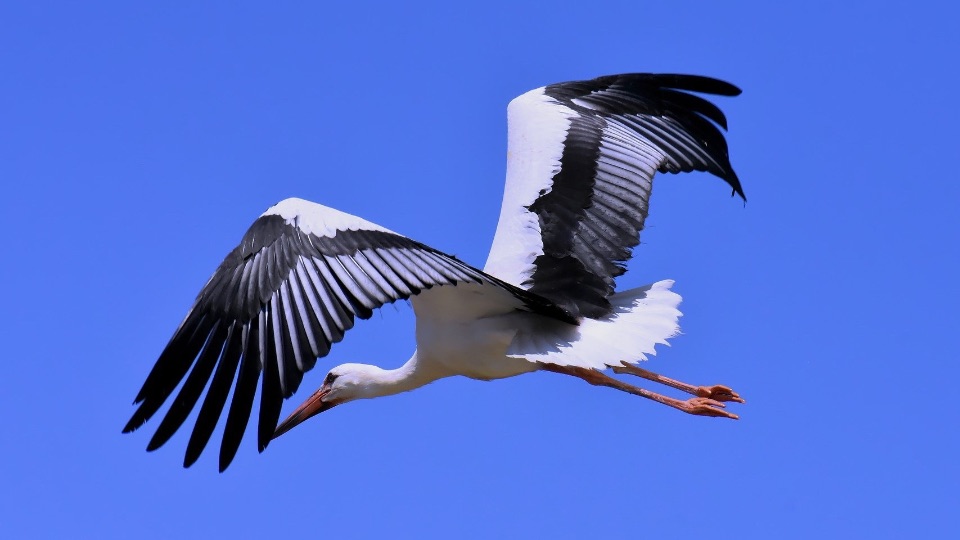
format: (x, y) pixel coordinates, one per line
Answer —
(581, 161)
(293, 286)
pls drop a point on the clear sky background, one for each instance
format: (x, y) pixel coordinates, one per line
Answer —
(139, 141)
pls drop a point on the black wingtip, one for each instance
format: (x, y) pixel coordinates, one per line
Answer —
(737, 188)
(156, 442)
(226, 457)
(189, 459)
(699, 83)
(135, 422)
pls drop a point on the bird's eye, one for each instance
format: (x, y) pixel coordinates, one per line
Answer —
(330, 378)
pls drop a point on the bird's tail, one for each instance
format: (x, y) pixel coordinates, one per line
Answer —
(641, 318)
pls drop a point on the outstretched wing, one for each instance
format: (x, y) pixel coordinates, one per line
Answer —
(580, 167)
(277, 303)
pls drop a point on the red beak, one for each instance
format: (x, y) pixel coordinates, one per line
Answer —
(313, 406)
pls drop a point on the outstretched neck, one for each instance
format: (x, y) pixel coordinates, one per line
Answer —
(386, 382)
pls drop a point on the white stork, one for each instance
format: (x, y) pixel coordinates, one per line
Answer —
(581, 161)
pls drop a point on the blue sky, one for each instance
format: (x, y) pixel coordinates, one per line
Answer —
(140, 141)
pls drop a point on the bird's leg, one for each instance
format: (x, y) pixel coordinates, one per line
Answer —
(701, 406)
(717, 392)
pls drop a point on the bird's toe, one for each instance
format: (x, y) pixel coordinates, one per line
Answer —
(719, 392)
(703, 406)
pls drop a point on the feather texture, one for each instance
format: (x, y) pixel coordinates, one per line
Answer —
(582, 157)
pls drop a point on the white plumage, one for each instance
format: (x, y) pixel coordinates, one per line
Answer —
(536, 130)
(641, 318)
(581, 161)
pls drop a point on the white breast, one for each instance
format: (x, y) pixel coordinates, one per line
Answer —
(475, 349)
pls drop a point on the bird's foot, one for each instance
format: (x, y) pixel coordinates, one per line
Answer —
(704, 406)
(719, 392)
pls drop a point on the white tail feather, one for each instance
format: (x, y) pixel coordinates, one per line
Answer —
(641, 318)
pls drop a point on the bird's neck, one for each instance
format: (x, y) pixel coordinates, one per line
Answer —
(411, 375)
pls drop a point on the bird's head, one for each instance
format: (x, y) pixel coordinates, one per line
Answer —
(343, 383)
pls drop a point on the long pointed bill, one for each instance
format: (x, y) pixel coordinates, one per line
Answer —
(314, 405)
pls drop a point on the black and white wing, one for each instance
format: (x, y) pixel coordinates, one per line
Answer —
(293, 286)
(580, 167)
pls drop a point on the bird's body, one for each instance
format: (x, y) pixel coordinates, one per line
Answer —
(468, 343)
(582, 157)
(499, 341)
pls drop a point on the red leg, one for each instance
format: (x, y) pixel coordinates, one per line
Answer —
(701, 406)
(717, 392)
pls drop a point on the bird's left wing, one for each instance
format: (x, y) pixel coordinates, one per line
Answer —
(581, 160)
(277, 303)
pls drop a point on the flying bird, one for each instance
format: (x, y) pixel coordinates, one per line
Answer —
(582, 157)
